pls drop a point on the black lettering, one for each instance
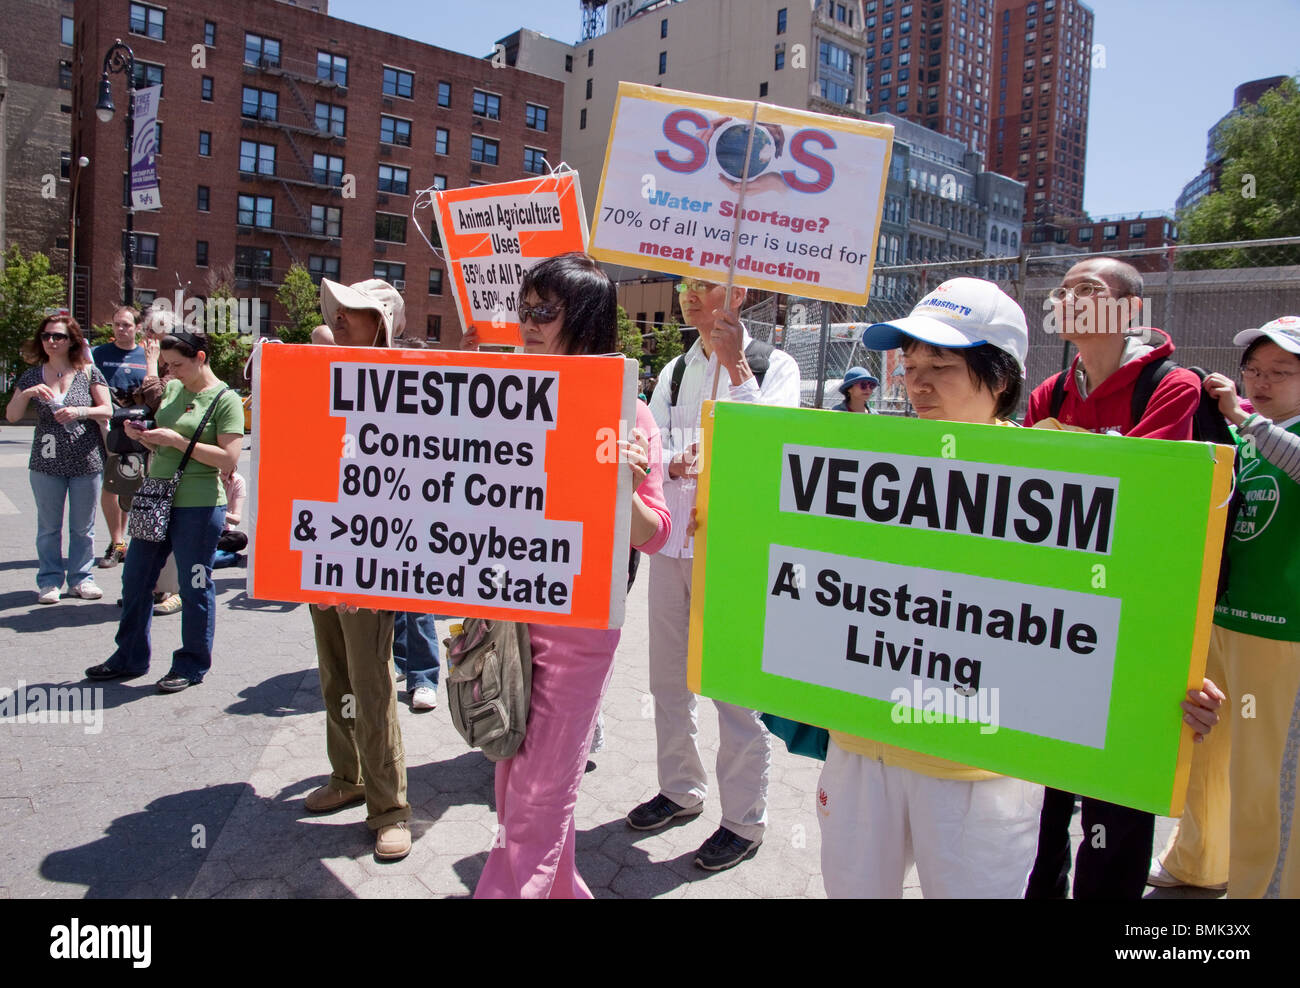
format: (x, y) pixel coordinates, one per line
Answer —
(835, 486)
(509, 411)
(786, 582)
(381, 393)
(1081, 638)
(539, 401)
(960, 497)
(406, 404)
(430, 384)
(341, 404)
(366, 438)
(874, 510)
(1030, 492)
(1096, 518)
(921, 499)
(804, 490)
(829, 594)
(879, 602)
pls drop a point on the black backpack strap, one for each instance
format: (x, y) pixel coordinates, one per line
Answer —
(759, 357)
(1058, 394)
(679, 370)
(1145, 386)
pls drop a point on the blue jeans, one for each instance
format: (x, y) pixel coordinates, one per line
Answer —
(82, 497)
(192, 539)
(415, 638)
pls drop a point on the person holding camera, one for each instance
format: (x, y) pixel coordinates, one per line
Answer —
(124, 364)
(67, 461)
(198, 514)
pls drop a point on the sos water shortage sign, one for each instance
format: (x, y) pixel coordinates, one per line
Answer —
(1034, 603)
(670, 193)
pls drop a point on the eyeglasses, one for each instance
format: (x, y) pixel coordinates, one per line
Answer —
(694, 286)
(54, 337)
(539, 314)
(1084, 289)
(1253, 373)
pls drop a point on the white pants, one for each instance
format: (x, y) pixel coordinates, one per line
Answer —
(969, 840)
(745, 747)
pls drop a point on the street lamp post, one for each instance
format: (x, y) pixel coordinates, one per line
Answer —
(82, 163)
(120, 58)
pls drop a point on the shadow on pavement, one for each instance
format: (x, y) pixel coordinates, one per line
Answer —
(19, 564)
(243, 602)
(274, 698)
(70, 612)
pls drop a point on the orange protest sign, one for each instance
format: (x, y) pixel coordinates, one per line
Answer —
(494, 233)
(473, 484)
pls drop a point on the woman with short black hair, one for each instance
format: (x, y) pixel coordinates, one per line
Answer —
(197, 517)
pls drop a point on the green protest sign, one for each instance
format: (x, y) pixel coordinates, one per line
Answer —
(1031, 602)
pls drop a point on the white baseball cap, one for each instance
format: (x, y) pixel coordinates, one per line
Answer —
(962, 312)
(1284, 331)
(373, 293)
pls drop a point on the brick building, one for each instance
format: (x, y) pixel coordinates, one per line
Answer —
(286, 135)
(35, 122)
(1040, 124)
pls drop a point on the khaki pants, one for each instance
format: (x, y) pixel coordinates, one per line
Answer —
(1254, 825)
(362, 736)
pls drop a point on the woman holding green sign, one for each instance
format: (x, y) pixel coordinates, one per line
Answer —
(971, 833)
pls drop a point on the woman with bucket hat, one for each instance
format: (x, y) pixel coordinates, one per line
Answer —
(857, 388)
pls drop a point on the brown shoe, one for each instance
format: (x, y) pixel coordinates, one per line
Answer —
(392, 842)
(327, 799)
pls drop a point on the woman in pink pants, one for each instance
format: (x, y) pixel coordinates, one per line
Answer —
(568, 305)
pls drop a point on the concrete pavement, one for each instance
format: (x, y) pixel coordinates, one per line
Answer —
(199, 794)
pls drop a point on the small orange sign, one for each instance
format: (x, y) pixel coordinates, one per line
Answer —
(475, 484)
(494, 233)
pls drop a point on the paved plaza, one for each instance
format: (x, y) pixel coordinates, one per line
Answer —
(200, 794)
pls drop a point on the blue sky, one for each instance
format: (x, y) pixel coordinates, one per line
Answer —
(1171, 66)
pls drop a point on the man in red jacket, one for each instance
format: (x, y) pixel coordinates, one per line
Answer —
(1096, 308)
(1097, 304)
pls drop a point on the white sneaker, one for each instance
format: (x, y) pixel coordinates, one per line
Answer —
(1162, 879)
(50, 595)
(424, 698)
(86, 590)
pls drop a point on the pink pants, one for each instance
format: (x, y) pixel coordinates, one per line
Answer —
(532, 856)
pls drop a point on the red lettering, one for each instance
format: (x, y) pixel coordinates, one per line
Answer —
(699, 151)
(823, 168)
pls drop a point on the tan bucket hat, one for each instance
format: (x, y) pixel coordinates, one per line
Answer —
(373, 293)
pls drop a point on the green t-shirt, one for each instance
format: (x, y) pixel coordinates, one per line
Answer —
(183, 410)
(1263, 595)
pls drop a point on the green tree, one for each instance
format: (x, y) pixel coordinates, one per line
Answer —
(301, 300)
(1259, 187)
(228, 348)
(668, 344)
(629, 335)
(27, 289)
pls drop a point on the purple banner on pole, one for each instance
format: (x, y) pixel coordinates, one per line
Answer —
(144, 147)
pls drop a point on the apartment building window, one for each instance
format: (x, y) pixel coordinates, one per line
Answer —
(205, 143)
(66, 31)
(1085, 234)
(444, 94)
(261, 51)
(146, 249)
(535, 161)
(253, 263)
(762, 89)
(487, 105)
(65, 74)
(323, 267)
(435, 281)
(395, 180)
(326, 221)
(209, 33)
(332, 118)
(394, 130)
(261, 104)
(258, 158)
(1137, 230)
(780, 21)
(147, 20)
(390, 227)
(535, 116)
(663, 28)
(256, 211)
(147, 74)
(391, 272)
(591, 56)
(203, 197)
(398, 82)
(780, 58)
(483, 149)
(205, 89)
(200, 253)
(433, 328)
(1110, 231)
(440, 140)
(589, 85)
(440, 182)
(327, 169)
(568, 63)
(663, 64)
(332, 67)
(582, 119)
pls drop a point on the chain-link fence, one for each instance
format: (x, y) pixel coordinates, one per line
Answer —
(1202, 295)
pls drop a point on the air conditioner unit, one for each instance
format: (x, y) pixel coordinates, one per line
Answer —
(400, 285)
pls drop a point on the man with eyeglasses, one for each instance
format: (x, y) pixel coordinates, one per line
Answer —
(124, 364)
(1096, 308)
(743, 370)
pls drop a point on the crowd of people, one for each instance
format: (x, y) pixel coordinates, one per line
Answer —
(881, 808)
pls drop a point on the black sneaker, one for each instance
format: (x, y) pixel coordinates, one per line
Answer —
(724, 850)
(172, 683)
(659, 811)
(115, 554)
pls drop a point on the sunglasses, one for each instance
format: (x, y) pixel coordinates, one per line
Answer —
(1084, 289)
(539, 314)
(695, 287)
(54, 337)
